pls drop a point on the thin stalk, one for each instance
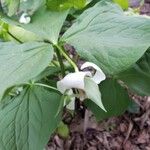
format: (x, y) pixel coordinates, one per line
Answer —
(68, 58)
(60, 62)
(47, 86)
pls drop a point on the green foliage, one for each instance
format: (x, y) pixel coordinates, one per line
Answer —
(19, 62)
(28, 119)
(137, 78)
(22, 34)
(110, 39)
(134, 108)
(63, 130)
(123, 3)
(50, 70)
(65, 4)
(44, 23)
(13, 7)
(114, 98)
(31, 6)
(33, 56)
(3, 30)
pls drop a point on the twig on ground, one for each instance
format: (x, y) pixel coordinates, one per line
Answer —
(128, 132)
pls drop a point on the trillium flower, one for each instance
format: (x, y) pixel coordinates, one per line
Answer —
(25, 18)
(76, 79)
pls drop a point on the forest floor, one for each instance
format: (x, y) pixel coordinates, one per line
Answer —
(130, 131)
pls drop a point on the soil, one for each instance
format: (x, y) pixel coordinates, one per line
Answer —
(130, 131)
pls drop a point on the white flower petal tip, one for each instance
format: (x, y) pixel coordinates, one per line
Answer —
(102, 107)
(24, 19)
(72, 80)
(99, 74)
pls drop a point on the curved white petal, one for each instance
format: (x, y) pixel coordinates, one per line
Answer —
(99, 74)
(72, 80)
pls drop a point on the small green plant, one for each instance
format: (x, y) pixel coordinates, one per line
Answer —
(38, 78)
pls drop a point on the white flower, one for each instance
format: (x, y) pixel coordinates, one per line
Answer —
(76, 79)
(72, 80)
(99, 75)
(25, 18)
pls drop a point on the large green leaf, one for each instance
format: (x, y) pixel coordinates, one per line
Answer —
(114, 97)
(44, 23)
(105, 36)
(21, 62)
(27, 121)
(65, 4)
(137, 78)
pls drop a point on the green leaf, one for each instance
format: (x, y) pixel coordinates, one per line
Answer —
(3, 29)
(114, 97)
(63, 130)
(22, 34)
(51, 70)
(137, 78)
(9, 7)
(27, 121)
(93, 93)
(65, 4)
(31, 6)
(22, 62)
(108, 38)
(134, 108)
(13, 7)
(44, 23)
(123, 3)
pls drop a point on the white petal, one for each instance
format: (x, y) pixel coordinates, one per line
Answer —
(72, 80)
(25, 19)
(98, 76)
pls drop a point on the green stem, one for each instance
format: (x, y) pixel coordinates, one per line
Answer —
(68, 58)
(60, 62)
(47, 86)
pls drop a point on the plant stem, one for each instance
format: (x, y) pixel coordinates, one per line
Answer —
(60, 62)
(68, 58)
(47, 86)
